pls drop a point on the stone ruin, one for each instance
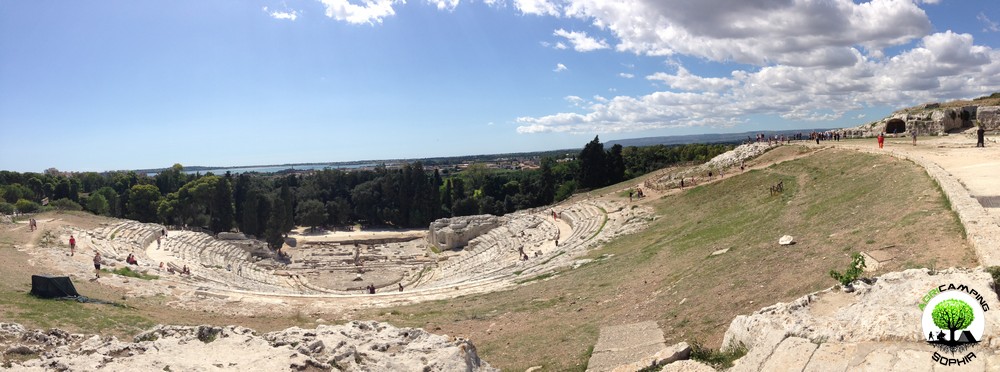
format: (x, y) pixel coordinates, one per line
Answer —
(932, 120)
(456, 232)
(355, 346)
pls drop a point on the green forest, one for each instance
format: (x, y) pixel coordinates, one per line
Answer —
(270, 205)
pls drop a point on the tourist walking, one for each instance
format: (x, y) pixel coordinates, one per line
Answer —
(913, 133)
(97, 265)
(72, 245)
(980, 137)
(881, 139)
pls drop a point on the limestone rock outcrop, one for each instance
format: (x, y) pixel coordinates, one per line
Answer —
(989, 117)
(456, 232)
(355, 346)
(821, 328)
(927, 120)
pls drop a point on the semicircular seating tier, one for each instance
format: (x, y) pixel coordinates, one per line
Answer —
(492, 260)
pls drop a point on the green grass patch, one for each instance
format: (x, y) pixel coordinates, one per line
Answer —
(71, 315)
(553, 257)
(536, 278)
(603, 222)
(127, 271)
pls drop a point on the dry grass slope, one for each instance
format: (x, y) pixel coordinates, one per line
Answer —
(835, 202)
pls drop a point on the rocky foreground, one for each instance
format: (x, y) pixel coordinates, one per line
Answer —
(355, 346)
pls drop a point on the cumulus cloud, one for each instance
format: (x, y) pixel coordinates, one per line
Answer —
(626, 75)
(684, 80)
(759, 32)
(942, 66)
(368, 11)
(291, 15)
(581, 42)
(560, 67)
(537, 7)
(444, 4)
(988, 24)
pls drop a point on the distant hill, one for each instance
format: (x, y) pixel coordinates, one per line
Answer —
(703, 138)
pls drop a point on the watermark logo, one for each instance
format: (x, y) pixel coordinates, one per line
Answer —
(953, 322)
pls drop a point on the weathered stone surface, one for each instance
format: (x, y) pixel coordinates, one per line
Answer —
(456, 232)
(792, 354)
(231, 236)
(667, 355)
(687, 366)
(989, 117)
(875, 328)
(355, 346)
(626, 344)
(760, 349)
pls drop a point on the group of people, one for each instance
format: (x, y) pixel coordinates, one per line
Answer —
(637, 193)
(980, 137)
(131, 260)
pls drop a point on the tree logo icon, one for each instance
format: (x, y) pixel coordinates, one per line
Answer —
(953, 321)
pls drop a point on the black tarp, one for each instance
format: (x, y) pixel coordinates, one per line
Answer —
(45, 286)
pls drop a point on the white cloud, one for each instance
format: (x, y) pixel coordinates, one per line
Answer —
(560, 45)
(444, 4)
(988, 24)
(291, 15)
(581, 42)
(684, 80)
(942, 66)
(626, 75)
(537, 7)
(369, 11)
(560, 67)
(574, 100)
(860, 116)
(759, 32)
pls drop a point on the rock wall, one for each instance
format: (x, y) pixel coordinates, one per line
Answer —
(884, 312)
(355, 346)
(456, 232)
(932, 120)
(989, 117)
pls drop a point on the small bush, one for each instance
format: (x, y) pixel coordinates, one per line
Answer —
(6, 208)
(26, 206)
(852, 273)
(65, 204)
(720, 359)
(127, 271)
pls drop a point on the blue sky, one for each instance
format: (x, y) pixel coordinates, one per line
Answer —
(104, 85)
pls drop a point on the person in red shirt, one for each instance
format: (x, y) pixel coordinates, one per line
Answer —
(72, 245)
(881, 140)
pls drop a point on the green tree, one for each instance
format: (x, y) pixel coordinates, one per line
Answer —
(6, 208)
(111, 197)
(952, 314)
(593, 165)
(143, 202)
(66, 205)
(616, 165)
(97, 204)
(222, 206)
(547, 186)
(27, 206)
(311, 213)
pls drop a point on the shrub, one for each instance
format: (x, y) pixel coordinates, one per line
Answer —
(26, 206)
(65, 204)
(852, 273)
(6, 208)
